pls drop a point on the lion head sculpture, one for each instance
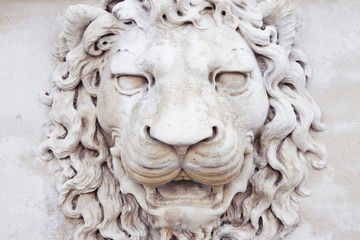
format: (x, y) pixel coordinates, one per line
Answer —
(181, 119)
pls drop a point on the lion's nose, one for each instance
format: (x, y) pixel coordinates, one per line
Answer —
(181, 133)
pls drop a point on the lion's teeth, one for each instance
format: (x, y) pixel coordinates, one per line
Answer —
(248, 149)
(150, 191)
(115, 152)
(217, 189)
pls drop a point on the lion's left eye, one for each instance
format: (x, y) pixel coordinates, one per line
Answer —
(233, 83)
(130, 84)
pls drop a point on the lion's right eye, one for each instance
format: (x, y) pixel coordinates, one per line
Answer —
(130, 84)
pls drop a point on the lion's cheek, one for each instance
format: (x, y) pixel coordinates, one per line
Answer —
(260, 102)
(248, 119)
(113, 110)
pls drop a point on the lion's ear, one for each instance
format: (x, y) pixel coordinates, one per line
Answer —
(92, 27)
(77, 19)
(101, 34)
(279, 13)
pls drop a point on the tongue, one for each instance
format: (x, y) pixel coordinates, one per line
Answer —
(184, 189)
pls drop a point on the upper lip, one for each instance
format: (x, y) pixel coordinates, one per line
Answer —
(181, 151)
(182, 176)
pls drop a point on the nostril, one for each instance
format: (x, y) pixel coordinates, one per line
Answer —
(147, 132)
(149, 136)
(214, 134)
(215, 131)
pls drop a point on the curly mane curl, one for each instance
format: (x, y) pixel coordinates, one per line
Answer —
(284, 147)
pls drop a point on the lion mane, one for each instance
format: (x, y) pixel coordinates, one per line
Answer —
(88, 189)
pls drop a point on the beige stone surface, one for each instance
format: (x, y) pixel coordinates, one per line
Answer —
(330, 35)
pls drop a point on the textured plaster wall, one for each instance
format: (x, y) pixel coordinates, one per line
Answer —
(330, 35)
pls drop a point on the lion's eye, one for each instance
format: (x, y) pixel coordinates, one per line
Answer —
(232, 82)
(130, 84)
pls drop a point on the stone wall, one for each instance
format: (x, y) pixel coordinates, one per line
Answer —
(329, 34)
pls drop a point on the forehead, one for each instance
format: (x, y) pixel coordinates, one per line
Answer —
(159, 48)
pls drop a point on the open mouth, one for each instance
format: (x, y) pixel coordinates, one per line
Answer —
(184, 193)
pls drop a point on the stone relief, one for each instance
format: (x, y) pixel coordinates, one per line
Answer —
(182, 119)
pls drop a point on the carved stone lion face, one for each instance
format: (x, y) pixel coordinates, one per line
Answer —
(181, 109)
(185, 119)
